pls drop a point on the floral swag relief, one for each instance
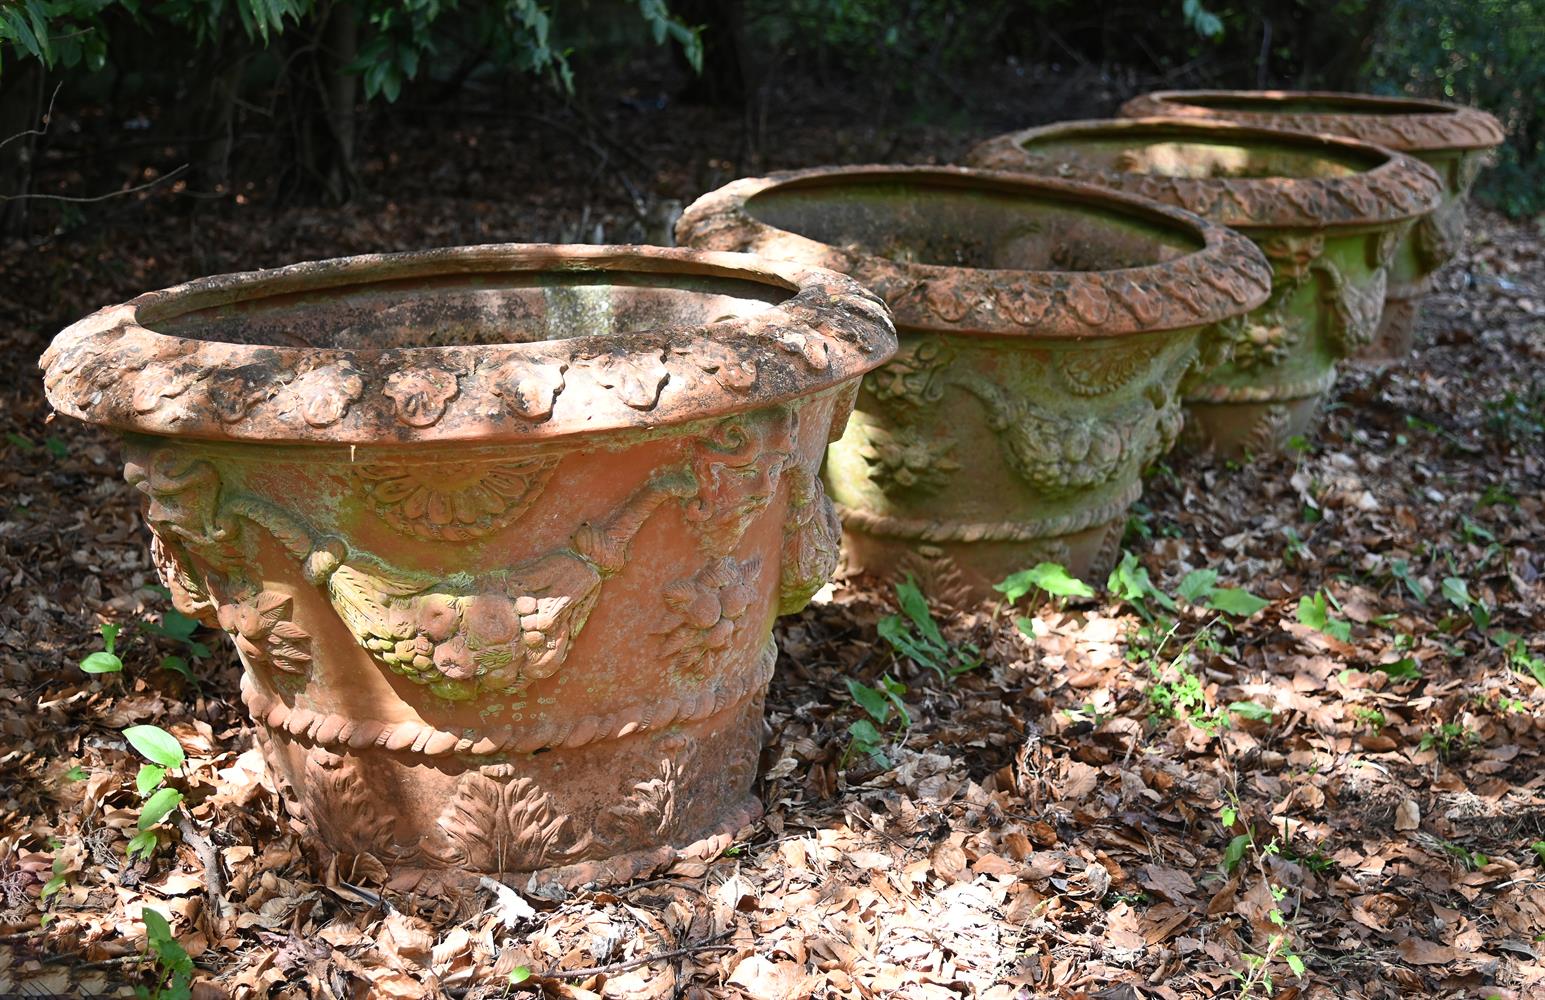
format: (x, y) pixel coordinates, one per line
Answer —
(463, 637)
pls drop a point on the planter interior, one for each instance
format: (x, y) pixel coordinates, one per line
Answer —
(1044, 327)
(1327, 214)
(1454, 140)
(499, 533)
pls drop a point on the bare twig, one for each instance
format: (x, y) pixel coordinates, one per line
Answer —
(96, 198)
(633, 963)
(48, 116)
(214, 878)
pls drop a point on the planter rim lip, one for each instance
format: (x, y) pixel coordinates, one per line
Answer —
(1227, 276)
(112, 369)
(1424, 126)
(1395, 188)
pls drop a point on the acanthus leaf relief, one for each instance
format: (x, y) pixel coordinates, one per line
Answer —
(1097, 371)
(710, 609)
(648, 814)
(500, 821)
(337, 803)
(455, 503)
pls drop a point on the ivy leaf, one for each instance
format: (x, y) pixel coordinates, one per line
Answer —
(156, 745)
(1197, 585)
(871, 701)
(1234, 601)
(1048, 576)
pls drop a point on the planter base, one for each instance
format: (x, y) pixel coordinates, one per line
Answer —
(1396, 339)
(442, 820)
(1236, 431)
(962, 574)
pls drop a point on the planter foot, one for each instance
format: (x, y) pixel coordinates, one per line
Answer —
(962, 575)
(1240, 431)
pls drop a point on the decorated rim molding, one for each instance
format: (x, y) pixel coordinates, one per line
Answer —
(1392, 189)
(113, 368)
(1404, 124)
(1228, 276)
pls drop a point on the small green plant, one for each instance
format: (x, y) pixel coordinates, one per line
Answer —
(1538, 847)
(1049, 578)
(1473, 860)
(1295, 549)
(165, 754)
(915, 635)
(169, 961)
(1457, 591)
(1401, 571)
(1130, 582)
(1524, 661)
(1279, 946)
(1404, 669)
(105, 660)
(1449, 739)
(882, 707)
(1370, 718)
(1314, 611)
(1199, 587)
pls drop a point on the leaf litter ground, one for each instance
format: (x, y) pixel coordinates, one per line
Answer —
(1341, 794)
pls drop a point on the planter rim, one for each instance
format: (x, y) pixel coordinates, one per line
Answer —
(1395, 188)
(112, 368)
(1226, 277)
(1404, 124)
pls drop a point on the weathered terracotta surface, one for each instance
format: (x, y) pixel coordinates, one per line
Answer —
(1454, 140)
(1327, 213)
(1045, 329)
(499, 532)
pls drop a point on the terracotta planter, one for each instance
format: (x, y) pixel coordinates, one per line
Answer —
(1455, 141)
(499, 532)
(1328, 214)
(1045, 328)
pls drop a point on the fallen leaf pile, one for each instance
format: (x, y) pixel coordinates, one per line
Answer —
(1338, 795)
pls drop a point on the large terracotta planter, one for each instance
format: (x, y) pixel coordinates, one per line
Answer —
(1455, 141)
(1327, 212)
(499, 532)
(1045, 329)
